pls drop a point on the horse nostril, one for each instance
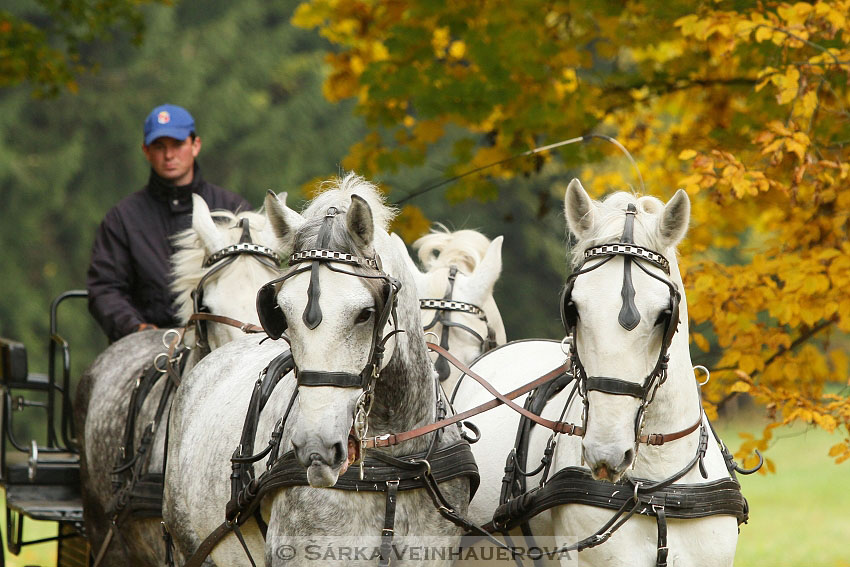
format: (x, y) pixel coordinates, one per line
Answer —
(628, 458)
(340, 453)
(316, 458)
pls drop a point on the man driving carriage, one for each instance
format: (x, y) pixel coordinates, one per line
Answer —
(129, 274)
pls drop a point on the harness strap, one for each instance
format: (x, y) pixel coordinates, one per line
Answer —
(389, 523)
(661, 521)
(244, 327)
(197, 559)
(391, 439)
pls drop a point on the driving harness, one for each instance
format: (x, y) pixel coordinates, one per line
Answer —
(443, 307)
(380, 472)
(137, 492)
(574, 485)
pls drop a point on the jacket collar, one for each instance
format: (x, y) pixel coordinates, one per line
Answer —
(178, 197)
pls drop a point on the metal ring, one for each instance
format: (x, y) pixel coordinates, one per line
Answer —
(635, 496)
(426, 463)
(165, 342)
(566, 341)
(705, 371)
(155, 365)
(436, 338)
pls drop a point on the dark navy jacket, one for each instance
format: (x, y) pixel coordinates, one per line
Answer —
(130, 271)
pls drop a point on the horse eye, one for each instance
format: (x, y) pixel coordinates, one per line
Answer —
(365, 315)
(662, 317)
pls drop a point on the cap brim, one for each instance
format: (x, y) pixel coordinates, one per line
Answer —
(176, 133)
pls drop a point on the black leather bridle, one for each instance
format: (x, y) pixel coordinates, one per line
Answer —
(274, 322)
(628, 319)
(218, 261)
(443, 307)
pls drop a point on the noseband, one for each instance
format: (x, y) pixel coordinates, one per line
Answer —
(217, 262)
(443, 307)
(628, 318)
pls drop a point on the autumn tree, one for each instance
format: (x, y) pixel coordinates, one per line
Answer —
(43, 42)
(744, 104)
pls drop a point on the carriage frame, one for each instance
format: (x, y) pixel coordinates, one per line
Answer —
(41, 478)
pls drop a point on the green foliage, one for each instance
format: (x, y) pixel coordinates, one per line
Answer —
(44, 42)
(253, 84)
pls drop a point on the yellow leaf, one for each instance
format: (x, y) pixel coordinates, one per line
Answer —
(411, 223)
(740, 386)
(457, 49)
(763, 34)
(687, 154)
(838, 449)
(701, 342)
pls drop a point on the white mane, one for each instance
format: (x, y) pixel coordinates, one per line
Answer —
(187, 262)
(338, 191)
(464, 248)
(610, 219)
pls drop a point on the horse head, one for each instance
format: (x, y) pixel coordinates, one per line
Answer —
(340, 304)
(456, 294)
(621, 308)
(220, 257)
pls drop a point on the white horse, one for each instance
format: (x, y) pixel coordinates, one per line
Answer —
(334, 306)
(228, 287)
(623, 378)
(456, 295)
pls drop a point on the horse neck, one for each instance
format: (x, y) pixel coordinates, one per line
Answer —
(405, 395)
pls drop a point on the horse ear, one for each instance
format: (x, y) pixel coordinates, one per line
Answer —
(578, 209)
(487, 272)
(359, 221)
(205, 227)
(284, 221)
(418, 276)
(674, 219)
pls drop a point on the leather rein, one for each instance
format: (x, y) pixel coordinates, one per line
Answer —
(563, 427)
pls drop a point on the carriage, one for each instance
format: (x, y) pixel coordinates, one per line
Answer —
(41, 476)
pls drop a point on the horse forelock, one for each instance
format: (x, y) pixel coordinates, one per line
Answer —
(337, 193)
(610, 219)
(187, 262)
(442, 248)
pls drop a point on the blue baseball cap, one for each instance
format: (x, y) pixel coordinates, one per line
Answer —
(168, 120)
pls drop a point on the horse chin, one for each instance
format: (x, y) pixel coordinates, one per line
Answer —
(320, 475)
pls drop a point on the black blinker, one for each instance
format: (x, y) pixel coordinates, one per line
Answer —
(271, 317)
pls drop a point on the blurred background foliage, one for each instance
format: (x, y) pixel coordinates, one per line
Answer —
(71, 148)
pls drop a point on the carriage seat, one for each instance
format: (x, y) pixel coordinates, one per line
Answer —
(14, 371)
(53, 469)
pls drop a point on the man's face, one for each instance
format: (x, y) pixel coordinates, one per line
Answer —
(173, 160)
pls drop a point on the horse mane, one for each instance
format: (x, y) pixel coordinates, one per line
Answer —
(337, 193)
(187, 262)
(610, 218)
(442, 247)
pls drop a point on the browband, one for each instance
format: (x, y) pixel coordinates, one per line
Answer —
(629, 250)
(242, 248)
(331, 256)
(451, 305)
